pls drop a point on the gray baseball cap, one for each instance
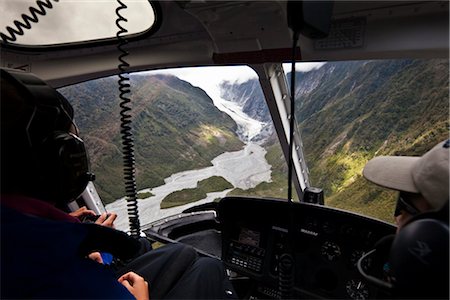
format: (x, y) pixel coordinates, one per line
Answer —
(427, 174)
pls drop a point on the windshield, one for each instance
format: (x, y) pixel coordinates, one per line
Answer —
(351, 111)
(200, 134)
(204, 133)
(62, 22)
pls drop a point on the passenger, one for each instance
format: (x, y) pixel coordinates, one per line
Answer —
(43, 249)
(414, 263)
(422, 182)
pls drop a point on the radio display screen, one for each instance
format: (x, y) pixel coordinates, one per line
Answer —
(249, 237)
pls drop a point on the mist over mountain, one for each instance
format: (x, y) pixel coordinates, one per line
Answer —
(249, 95)
(349, 112)
(175, 126)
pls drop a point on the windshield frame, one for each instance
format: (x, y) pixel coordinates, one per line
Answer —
(274, 84)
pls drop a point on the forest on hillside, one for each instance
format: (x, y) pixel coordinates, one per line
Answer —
(364, 109)
(176, 127)
(349, 112)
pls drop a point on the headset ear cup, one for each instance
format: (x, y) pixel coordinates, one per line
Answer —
(65, 166)
(419, 259)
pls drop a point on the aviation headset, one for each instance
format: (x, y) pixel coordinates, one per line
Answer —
(59, 164)
(417, 258)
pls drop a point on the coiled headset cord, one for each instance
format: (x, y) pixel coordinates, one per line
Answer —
(125, 126)
(124, 88)
(27, 20)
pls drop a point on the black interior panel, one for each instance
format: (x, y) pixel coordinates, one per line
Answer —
(327, 243)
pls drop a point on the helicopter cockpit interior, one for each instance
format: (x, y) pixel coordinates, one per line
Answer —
(305, 238)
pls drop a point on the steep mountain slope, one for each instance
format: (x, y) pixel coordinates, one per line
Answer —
(349, 112)
(359, 110)
(249, 95)
(175, 125)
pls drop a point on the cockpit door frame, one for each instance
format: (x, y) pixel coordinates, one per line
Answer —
(276, 91)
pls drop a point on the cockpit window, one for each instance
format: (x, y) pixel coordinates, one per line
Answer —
(204, 133)
(65, 22)
(199, 134)
(351, 111)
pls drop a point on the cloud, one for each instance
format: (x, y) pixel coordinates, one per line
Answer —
(209, 78)
(303, 66)
(198, 75)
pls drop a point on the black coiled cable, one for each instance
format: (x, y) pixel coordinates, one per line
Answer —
(27, 20)
(125, 119)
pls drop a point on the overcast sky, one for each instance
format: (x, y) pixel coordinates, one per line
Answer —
(209, 78)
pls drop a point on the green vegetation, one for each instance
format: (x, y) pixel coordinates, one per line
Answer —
(212, 184)
(365, 198)
(144, 195)
(350, 112)
(365, 109)
(176, 127)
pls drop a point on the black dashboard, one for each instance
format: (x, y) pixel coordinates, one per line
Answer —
(326, 243)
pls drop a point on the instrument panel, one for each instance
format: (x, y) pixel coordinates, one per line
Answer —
(325, 244)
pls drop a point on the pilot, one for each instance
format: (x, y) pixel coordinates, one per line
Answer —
(45, 251)
(422, 182)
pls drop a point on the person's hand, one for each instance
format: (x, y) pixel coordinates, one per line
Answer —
(96, 256)
(83, 211)
(106, 220)
(136, 285)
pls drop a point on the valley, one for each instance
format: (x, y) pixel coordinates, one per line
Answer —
(348, 112)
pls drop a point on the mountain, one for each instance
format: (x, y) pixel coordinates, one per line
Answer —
(176, 127)
(249, 95)
(358, 110)
(349, 112)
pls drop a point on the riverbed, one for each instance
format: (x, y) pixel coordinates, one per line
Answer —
(243, 169)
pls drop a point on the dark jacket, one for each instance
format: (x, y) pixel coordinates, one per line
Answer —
(42, 258)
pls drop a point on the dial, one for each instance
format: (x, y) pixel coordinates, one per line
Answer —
(357, 289)
(356, 255)
(330, 251)
(328, 227)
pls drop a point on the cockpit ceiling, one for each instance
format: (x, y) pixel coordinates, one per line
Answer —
(193, 33)
(264, 26)
(239, 26)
